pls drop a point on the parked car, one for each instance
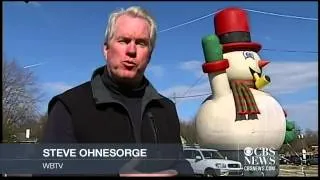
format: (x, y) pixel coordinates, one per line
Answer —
(209, 162)
(285, 160)
(297, 160)
(312, 160)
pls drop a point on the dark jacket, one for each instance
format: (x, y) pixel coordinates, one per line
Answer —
(91, 113)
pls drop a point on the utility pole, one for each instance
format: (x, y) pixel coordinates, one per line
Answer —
(303, 158)
(174, 98)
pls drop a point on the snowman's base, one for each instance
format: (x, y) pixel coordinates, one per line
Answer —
(255, 165)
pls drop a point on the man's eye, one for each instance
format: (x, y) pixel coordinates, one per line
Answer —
(141, 43)
(124, 41)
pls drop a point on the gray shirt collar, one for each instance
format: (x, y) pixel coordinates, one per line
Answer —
(102, 94)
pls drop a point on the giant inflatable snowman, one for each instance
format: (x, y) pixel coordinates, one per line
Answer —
(239, 116)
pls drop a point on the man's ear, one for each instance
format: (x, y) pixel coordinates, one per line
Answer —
(105, 49)
(150, 55)
(105, 45)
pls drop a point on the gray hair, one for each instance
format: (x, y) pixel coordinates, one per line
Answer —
(133, 11)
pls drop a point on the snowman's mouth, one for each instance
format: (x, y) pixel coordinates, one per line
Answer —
(253, 72)
(259, 80)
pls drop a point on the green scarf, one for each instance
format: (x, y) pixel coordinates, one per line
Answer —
(244, 100)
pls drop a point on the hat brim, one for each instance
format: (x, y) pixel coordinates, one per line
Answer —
(241, 46)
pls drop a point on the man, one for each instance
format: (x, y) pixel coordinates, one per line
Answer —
(119, 105)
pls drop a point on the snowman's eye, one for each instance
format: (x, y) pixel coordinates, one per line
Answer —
(247, 54)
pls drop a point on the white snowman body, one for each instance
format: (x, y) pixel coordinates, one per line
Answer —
(216, 122)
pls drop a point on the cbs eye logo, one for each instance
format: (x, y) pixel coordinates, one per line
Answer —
(248, 151)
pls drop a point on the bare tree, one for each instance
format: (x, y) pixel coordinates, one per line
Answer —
(8, 132)
(188, 132)
(20, 95)
(310, 139)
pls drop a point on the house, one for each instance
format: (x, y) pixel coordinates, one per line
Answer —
(24, 137)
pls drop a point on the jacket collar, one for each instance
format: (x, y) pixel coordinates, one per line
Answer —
(102, 94)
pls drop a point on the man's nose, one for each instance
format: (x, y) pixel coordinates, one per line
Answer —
(131, 49)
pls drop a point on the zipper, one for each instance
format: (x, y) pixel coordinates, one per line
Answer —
(154, 127)
(155, 133)
(130, 121)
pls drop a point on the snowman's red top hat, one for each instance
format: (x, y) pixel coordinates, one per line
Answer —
(232, 28)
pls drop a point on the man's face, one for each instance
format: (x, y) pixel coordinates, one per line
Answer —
(128, 52)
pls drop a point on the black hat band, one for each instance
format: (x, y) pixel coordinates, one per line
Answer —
(235, 37)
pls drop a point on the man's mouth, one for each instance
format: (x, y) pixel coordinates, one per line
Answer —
(129, 64)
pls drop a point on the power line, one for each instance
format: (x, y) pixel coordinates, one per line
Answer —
(265, 49)
(198, 80)
(190, 96)
(33, 65)
(282, 15)
(251, 10)
(195, 83)
(255, 11)
(189, 22)
(284, 50)
(184, 95)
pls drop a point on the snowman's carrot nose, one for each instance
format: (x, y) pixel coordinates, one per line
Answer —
(262, 63)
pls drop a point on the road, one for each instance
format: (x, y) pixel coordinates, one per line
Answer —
(295, 170)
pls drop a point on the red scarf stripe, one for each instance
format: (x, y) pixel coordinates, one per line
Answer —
(249, 99)
(244, 100)
(238, 102)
